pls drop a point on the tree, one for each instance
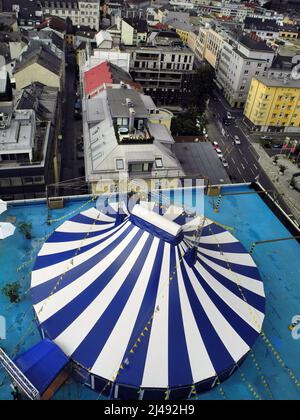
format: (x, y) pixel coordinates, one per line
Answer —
(202, 86)
(189, 123)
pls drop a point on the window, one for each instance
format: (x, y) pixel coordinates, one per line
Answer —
(120, 164)
(158, 163)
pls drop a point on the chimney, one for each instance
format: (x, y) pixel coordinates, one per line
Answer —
(131, 119)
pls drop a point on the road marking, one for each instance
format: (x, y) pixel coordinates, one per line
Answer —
(252, 171)
(243, 166)
(233, 161)
(241, 152)
(238, 169)
(255, 166)
(246, 161)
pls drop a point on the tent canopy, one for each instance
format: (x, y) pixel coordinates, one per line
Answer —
(132, 296)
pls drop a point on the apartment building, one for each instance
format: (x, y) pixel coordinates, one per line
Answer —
(124, 136)
(164, 69)
(28, 133)
(133, 31)
(39, 64)
(210, 41)
(31, 13)
(273, 104)
(81, 12)
(238, 62)
(266, 29)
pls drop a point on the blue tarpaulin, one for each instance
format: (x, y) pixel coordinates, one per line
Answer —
(42, 364)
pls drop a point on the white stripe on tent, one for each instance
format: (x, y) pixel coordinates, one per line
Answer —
(235, 345)
(231, 257)
(68, 293)
(75, 227)
(255, 286)
(93, 213)
(47, 273)
(237, 304)
(196, 223)
(201, 365)
(221, 238)
(156, 365)
(76, 333)
(51, 248)
(114, 350)
(173, 212)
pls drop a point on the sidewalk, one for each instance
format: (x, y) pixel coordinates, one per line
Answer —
(281, 182)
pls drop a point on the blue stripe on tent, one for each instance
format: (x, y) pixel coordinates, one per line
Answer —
(86, 220)
(41, 292)
(244, 330)
(135, 375)
(258, 302)
(89, 350)
(43, 261)
(233, 247)
(245, 270)
(67, 315)
(218, 353)
(74, 236)
(215, 230)
(179, 362)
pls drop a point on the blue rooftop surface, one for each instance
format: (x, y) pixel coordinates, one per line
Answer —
(271, 370)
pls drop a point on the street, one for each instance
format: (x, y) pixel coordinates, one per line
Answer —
(242, 159)
(71, 167)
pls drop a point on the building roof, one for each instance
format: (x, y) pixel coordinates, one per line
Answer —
(104, 72)
(117, 101)
(254, 43)
(280, 83)
(140, 25)
(48, 35)
(41, 55)
(53, 22)
(40, 98)
(261, 24)
(200, 159)
(27, 9)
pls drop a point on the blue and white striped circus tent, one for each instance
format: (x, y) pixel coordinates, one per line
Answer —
(147, 305)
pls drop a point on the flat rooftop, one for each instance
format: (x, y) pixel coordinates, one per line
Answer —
(289, 83)
(117, 101)
(201, 159)
(249, 218)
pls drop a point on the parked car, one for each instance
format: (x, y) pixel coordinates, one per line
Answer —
(219, 153)
(215, 145)
(266, 138)
(227, 122)
(277, 146)
(224, 162)
(237, 140)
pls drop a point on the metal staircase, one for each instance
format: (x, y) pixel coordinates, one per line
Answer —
(18, 377)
